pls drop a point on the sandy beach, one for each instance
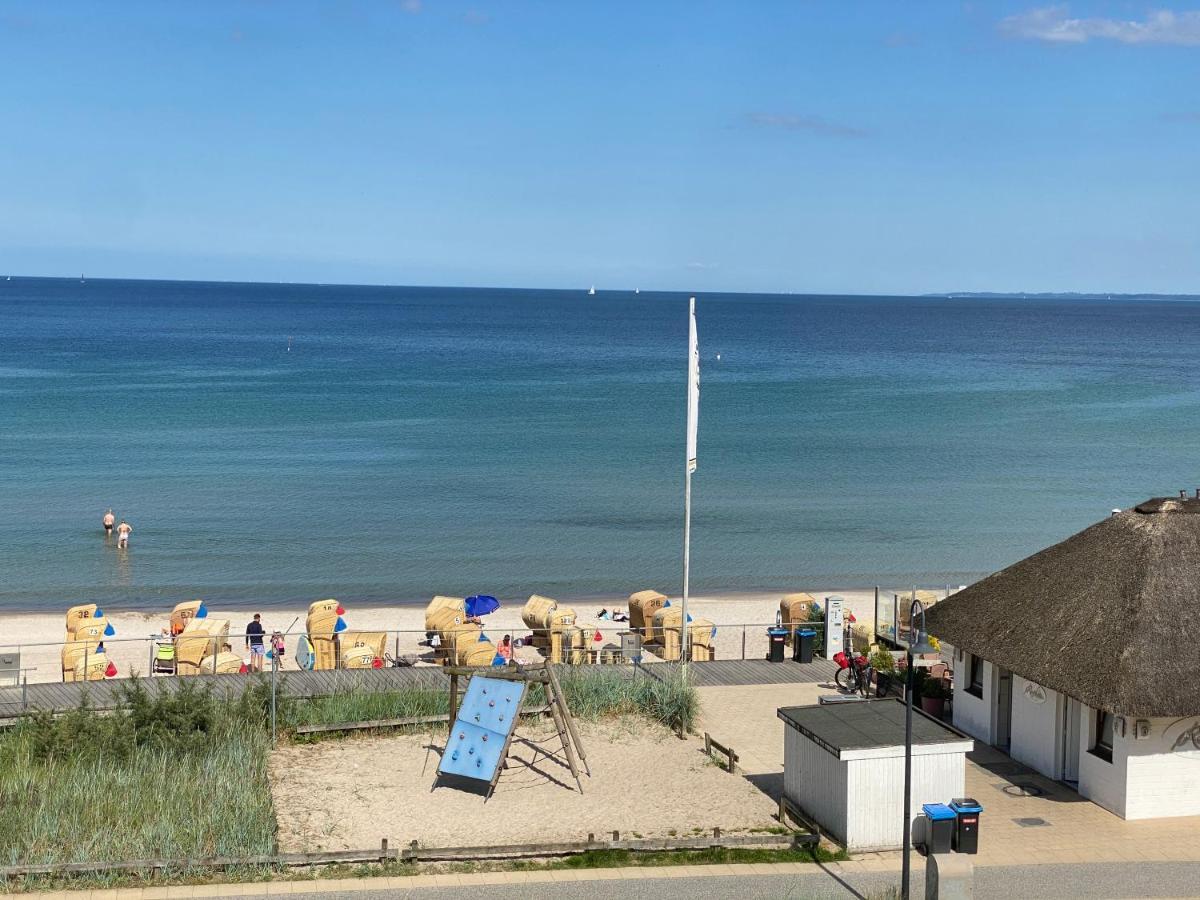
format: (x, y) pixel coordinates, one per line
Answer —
(741, 621)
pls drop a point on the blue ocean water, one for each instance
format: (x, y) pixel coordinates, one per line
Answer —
(426, 440)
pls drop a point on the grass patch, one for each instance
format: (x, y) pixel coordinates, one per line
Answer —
(608, 859)
(594, 692)
(168, 775)
(359, 705)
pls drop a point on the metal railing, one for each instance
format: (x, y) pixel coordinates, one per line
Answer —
(404, 647)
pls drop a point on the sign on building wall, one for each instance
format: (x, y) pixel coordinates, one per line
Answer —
(1183, 735)
(1035, 693)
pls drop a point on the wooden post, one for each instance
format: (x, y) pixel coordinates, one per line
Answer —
(563, 736)
(562, 704)
(453, 700)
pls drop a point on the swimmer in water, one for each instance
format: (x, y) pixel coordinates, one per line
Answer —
(109, 521)
(123, 534)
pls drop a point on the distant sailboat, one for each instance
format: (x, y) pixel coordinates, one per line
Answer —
(81, 279)
(592, 291)
(637, 290)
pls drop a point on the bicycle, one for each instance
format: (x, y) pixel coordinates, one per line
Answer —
(853, 674)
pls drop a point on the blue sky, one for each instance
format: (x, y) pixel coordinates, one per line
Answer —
(801, 146)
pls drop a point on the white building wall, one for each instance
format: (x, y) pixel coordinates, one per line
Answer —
(1036, 727)
(1101, 782)
(972, 714)
(815, 780)
(1162, 771)
(876, 795)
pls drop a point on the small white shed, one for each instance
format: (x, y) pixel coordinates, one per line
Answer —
(843, 766)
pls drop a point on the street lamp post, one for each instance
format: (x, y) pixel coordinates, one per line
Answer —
(918, 645)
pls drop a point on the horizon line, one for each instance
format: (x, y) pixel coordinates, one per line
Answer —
(948, 295)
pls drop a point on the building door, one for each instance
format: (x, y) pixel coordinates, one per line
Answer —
(1003, 713)
(1072, 717)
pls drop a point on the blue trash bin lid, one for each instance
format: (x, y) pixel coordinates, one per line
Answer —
(937, 811)
(966, 804)
(774, 630)
(806, 632)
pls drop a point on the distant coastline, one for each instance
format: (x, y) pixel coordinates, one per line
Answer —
(1057, 295)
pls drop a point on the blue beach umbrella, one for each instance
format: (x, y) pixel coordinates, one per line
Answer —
(340, 625)
(201, 611)
(481, 605)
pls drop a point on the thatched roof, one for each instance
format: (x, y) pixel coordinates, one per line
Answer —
(1110, 616)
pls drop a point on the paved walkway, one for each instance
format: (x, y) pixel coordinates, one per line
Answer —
(747, 882)
(1027, 818)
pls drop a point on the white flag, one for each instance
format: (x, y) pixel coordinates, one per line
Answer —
(693, 396)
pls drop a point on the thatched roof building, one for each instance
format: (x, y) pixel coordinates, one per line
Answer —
(1110, 616)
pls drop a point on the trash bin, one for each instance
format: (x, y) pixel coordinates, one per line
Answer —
(966, 831)
(939, 827)
(802, 645)
(776, 638)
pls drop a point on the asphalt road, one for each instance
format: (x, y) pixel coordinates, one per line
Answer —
(1060, 882)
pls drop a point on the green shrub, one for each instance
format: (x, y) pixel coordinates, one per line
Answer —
(170, 774)
(882, 662)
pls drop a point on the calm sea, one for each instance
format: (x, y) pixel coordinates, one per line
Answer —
(415, 441)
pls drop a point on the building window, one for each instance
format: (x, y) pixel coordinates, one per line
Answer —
(1102, 745)
(975, 677)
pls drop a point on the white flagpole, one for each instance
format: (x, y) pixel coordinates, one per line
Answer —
(693, 416)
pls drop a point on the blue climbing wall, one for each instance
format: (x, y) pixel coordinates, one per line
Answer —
(485, 720)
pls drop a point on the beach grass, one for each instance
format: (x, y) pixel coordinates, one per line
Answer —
(592, 693)
(660, 694)
(170, 775)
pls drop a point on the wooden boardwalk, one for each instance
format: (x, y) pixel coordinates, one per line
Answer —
(302, 685)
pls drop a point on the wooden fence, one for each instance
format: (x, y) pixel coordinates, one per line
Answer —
(415, 853)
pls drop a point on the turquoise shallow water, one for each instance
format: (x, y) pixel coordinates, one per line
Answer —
(419, 440)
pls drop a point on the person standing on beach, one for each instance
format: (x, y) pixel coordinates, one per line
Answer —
(109, 521)
(123, 531)
(254, 640)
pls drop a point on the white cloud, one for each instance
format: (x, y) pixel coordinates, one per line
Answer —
(811, 124)
(1054, 24)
